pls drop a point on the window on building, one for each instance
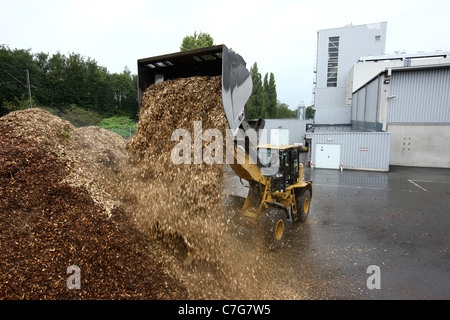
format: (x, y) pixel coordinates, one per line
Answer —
(333, 57)
(377, 38)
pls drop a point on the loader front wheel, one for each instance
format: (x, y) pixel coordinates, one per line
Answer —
(303, 205)
(274, 224)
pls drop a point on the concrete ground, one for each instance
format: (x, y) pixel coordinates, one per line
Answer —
(397, 221)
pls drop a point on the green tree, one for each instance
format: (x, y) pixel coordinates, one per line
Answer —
(55, 78)
(262, 103)
(40, 90)
(101, 90)
(309, 113)
(283, 111)
(60, 82)
(76, 80)
(13, 76)
(256, 103)
(125, 98)
(196, 41)
(271, 96)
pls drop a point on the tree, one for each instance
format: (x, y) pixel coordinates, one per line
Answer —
(76, 80)
(309, 113)
(271, 96)
(196, 41)
(256, 102)
(283, 111)
(263, 102)
(124, 86)
(54, 76)
(13, 76)
(67, 85)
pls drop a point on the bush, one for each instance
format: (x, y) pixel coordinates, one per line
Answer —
(117, 122)
(80, 117)
(19, 104)
(122, 125)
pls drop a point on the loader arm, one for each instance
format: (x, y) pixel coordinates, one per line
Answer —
(236, 89)
(245, 169)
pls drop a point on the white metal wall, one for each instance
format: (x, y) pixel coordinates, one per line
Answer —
(354, 42)
(296, 127)
(359, 150)
(421, 96)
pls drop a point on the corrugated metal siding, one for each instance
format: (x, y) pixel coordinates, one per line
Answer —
(354, 106)
(359, 150)
(421, 96)
(372, 102)
(360, 108)
(365, 106)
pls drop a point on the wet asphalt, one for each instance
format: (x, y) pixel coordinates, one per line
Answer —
(398, 222)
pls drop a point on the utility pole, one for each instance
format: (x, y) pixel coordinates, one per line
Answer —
(29, 88)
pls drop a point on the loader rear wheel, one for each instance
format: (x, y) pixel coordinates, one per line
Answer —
(303, 205)
(274, 224)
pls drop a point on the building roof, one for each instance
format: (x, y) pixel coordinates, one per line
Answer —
(374, 25)
(405, 68)
(279, 147)
(405, 56)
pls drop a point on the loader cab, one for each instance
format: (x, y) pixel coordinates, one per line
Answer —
(281, 164)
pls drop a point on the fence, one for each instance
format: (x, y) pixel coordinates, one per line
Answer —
(126, 132)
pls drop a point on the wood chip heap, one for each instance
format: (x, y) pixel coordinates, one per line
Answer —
(84, 197)
(179, 203)
(55, 212)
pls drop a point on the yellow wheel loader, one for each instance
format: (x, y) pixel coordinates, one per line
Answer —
(277, 192)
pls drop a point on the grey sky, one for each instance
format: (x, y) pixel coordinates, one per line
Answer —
(280, 35)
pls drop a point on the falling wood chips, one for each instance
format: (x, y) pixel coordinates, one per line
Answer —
(181, 204)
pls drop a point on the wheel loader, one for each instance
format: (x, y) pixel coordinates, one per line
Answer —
(277, 193)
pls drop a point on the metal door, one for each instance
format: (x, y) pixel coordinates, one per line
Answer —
(279, 137)
(328, 156)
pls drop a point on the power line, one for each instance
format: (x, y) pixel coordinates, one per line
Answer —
(27, 85)
(7, 71)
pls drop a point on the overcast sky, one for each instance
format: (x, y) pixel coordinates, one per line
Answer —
(281, 36)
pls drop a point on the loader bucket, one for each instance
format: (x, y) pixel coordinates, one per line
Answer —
(211, 61)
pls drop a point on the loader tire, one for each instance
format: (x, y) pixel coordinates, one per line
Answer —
(274, 227)
(303, 206)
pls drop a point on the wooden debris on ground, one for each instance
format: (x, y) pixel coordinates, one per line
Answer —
(53, 205)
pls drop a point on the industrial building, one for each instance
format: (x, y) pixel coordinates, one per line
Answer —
(375, 110)
(349, 149)
(337, 51)
(412, 102)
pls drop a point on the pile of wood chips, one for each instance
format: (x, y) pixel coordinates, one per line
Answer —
(179, 203)
(86, 197)
(183, 204)
(56, 210)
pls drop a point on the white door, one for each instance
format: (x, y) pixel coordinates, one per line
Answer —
(328, 156)
(279, 137)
